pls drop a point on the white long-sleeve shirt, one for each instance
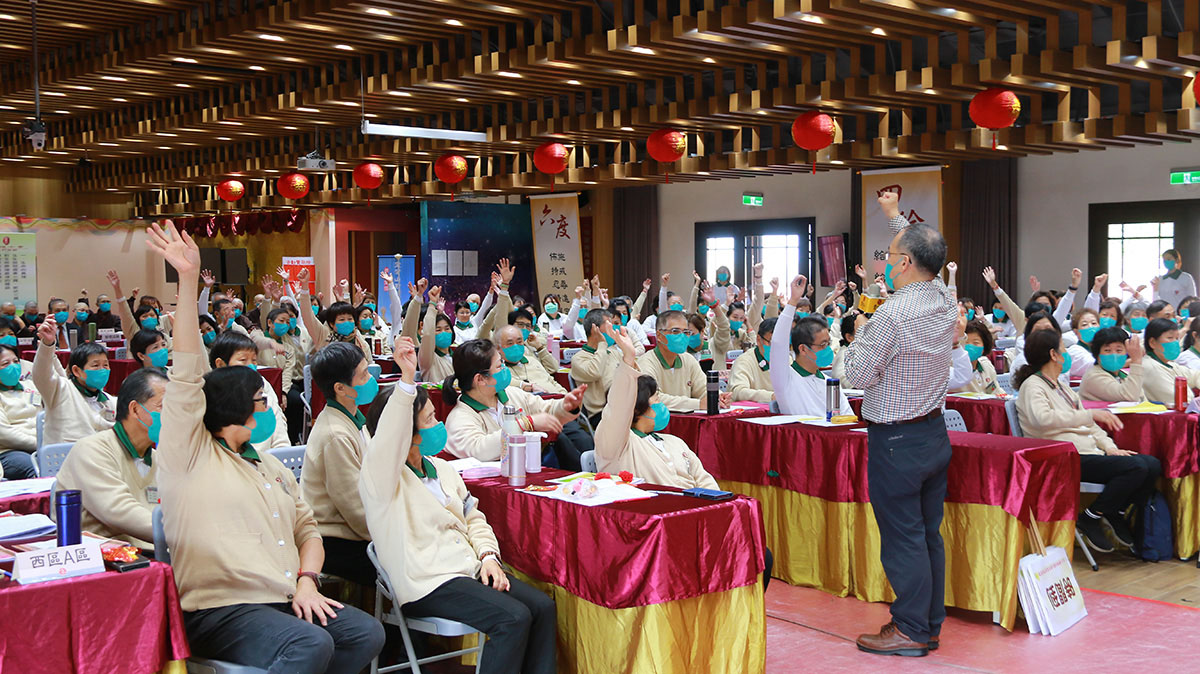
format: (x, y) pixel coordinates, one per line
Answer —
(797, 391)
(1062, 313)
(1174, 287)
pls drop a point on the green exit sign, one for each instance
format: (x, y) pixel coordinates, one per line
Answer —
(1185, 177)
(749, 199)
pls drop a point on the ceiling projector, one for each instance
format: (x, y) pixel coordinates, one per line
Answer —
(313, 161)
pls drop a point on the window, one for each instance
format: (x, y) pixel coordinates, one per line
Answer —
(720, 254)
(780, 255)
(1135, 252)
(784, 246)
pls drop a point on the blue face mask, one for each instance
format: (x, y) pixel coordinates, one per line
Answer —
(280, 329)
(887, 277)
(264, 427)
(210, 337)
(474, 306)
(433, 439)
(1066, 362)
(370, 305)
(825, 357)
(970, 314)
(31, 318)
(1138, 323)
(365, 393)
(106, 306)
(1106, 322)
(1186, 313)
(624, 319)
(609, 340)
(514, 353)
(154, 430)
(252, 366)
(503, 379)
(344, 328)
(291, 324)
(150, 323)
(237, 313)
(801, 314)
(81, 316)
(366, 324)
(1086, 335)
(677, 344)
(722, 277)
(10, 374)
(735, 325)
(695, 341)
(96, 379)
(767, 353)
(676, 307)
(229, 324)
(1171, 350)
(662, 416)
(1169, 264)
(525, 333)
(552, 308)
(61, 317)
(999, 314)
(443, 340)
(1113, 362)
(159, 358)
(704, 309)
(829, 320)
(9, 340)
(974, 351)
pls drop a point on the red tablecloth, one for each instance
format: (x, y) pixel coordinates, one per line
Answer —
(831, 463)
(274, 377)
(119, 369)
(26, 504)
(108, 622)
(981, 416)
(563, 380)
(628, 554)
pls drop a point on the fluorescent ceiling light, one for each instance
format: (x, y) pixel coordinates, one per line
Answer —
(272, 38)
(371, 128)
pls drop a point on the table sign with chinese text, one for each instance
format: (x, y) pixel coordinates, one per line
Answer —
(69, 561)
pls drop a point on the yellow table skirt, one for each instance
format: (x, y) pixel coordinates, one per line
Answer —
(175, 667)
(1183, 494)
(835, 547)
(719, 632)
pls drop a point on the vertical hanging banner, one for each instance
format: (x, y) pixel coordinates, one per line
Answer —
(293, 265)
(556, 250)
(18, 267)
(920, 190)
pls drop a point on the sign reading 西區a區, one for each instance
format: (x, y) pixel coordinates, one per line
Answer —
(69, 561)
(920, 190)
(557, 252)
(18, 267)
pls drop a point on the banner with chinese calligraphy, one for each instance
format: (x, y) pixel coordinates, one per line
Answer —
(18, 267)
(293, 265)
(556, 250)
(920, 190)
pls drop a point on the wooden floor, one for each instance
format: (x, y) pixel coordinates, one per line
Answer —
(1172, 580)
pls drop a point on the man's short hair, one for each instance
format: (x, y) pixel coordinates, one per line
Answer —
(669, 314)
(227, 344)
(926, 247)
(334, 363)
(521, 313)
(595, 319)
(805, 330)
(138, 387)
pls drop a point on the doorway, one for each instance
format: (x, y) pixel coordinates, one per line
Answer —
(1127, 240)
(784, 246)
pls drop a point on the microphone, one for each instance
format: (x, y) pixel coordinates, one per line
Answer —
(870, 300)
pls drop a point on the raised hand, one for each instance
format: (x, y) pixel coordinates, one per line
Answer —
(506, 271)
(666, 278)
(707, 297)
(359, 294)
(412, 290)
(860, 272)
(206, 275)
(952, 267)
(422, 284)
(622, 340)
(1098, 283)
(177, 249)
(798, 287)
(890, 203)
(48, 330)
(579, 292)
(1076, 277)
(405, 355)
(852, 286)
(495, 282)
(1035, 284)
(1133, 347)
(282, 272)
(758, 269)
(775, 285)
(386, 275)
(435, 294)
(114, 281)
(989, 275)
(646, 286)
(574, 398)
(302, 277)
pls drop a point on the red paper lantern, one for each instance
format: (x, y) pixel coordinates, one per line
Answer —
(368, 176)
(293, 186)
(994, 109)
(814, 131)
(231, 190)
(451, 168)
(666, 146)
(551, 158)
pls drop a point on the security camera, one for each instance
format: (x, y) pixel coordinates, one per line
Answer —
(35, 133)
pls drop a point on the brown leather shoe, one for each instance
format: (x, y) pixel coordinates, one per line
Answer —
(891, 641)
(933, 642)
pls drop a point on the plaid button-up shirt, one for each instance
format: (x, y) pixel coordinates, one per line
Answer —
(901, 358)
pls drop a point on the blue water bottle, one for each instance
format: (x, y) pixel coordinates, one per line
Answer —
(69, 503)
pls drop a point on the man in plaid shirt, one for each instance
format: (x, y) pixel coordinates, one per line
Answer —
(901, 359)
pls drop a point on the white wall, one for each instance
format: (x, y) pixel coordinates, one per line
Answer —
(825, 196)
(1054, 193)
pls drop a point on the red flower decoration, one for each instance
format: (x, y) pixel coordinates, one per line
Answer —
(626, 476)
(603, 476)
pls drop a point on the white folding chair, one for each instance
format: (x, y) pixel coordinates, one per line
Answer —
(1006, 343)
(50, 458)
(41, 424)
(428, 625)
(1004, 381)
(292, 457)
(1088, 488)
(1014, 423)
(194, 665)
(954, 421)
(587, 461)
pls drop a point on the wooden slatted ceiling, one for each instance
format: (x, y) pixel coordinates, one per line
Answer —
(601, 91)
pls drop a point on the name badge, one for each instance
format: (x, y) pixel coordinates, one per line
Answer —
(152, 494)
(51, 564)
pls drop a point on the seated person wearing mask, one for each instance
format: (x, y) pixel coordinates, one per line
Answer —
(979, 344)
(104, 318)
(682, 384)
(291, 365)
(337, 323)
(595, 364)
(115, 469)
(1084, 326)
(333, 460)
(65, 326)
(750, 376)
(18, 419)
(419, 513)
(529, 374)
(1051, 411)
(233, 349)
(74, 399)
(1107, 381)
(1158, 376)
(846, 333)
(533, 341)
(245, 548)
(629, 436)
(30, 320)
(1190, 356)
(799, 385)
(437, 334)
(149, 349)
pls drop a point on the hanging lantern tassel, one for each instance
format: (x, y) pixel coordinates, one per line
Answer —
(666, 146)
(667, 175)
(993, 140)
(551, 159)
(995, 109)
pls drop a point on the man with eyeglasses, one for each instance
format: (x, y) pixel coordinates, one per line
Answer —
(798, 383)
(901, 359)
(681, 382)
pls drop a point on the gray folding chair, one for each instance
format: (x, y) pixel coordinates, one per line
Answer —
(428, 625)
(194, 665)
(50, 458)
(1004, 381)
(1014, 423)
(307, 398)
(1088, 488)
(292, 457)
(41, 424)
(954, 421)
(587, 461)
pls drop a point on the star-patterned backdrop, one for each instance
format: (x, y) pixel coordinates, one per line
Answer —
(493, 231)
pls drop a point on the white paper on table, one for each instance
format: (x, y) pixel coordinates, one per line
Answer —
(1193, 406)
(26, 526)
(462, 465)
(779, 420)
(853, 392)
(859, 430)
(828, 424)
(437, 260)
(20, 487)
(610, 492)
(972, 395)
